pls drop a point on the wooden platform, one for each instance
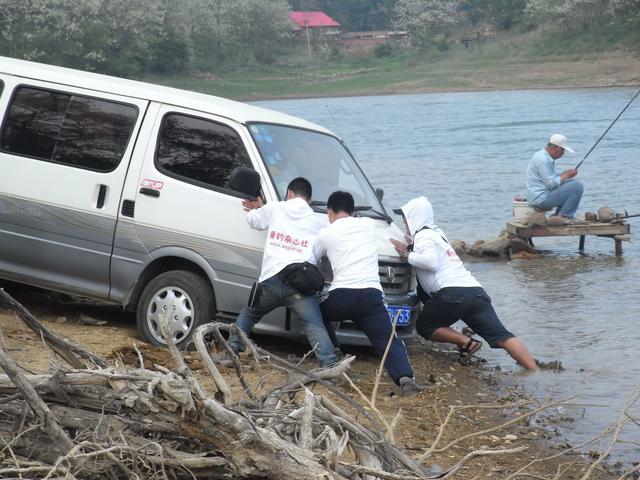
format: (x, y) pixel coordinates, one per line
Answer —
(610, 230)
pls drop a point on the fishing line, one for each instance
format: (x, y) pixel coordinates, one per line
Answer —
(609, 128)
(335, 124)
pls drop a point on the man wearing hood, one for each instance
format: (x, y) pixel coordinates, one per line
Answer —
(453, 293)
(292, 228)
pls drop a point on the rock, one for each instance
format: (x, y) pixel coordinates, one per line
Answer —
(494, 248)
(606, 214)
(87, 320)
(556, 221)
(537, 220)
(520, 244)
(551, 365)
(459, 246)
(591, 217)
(436, 471)
(511, 437)
(475, 252)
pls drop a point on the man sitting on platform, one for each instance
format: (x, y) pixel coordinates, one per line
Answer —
(548, 189)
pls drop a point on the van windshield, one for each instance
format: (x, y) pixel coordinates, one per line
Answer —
(290, 152)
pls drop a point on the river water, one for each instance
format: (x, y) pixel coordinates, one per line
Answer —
(468, 153)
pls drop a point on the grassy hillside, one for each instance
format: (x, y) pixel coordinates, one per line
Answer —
(516, 61)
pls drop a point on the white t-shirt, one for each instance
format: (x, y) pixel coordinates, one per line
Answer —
(292, 228)
(437, 264)
(350, 245)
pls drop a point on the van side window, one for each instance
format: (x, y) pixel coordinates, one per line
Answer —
(70, 129)
(200, 151)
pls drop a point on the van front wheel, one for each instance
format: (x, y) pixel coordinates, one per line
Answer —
(181, 299)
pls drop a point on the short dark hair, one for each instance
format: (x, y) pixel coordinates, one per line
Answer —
(301, 187)
(341, 202)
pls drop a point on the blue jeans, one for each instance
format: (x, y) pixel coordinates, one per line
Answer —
(365, 307)
(274, 293)
(566, 198)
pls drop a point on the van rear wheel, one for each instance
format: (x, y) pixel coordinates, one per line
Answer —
(181, 297)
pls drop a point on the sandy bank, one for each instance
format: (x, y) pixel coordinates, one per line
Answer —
(479, 396)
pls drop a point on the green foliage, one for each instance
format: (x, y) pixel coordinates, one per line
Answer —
(501, 14)
(384, 50)
(135, 38)
(428, 21)
(128, 38)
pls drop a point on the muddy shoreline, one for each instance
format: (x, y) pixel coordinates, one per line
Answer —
(483, 398)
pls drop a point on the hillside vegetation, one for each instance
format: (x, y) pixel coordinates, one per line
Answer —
(511, 61)
(246, 48)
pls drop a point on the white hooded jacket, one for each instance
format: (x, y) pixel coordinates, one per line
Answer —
(436, 262)
(293, 227)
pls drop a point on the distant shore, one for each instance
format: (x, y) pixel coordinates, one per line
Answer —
(399, 77)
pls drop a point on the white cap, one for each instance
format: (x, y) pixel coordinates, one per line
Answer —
(560, 141)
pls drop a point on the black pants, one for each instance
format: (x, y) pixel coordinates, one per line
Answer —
(472, 305)
(365, 307)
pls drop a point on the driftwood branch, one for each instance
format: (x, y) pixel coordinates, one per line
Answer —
(99, 422)
(28, 392)
(73, 354)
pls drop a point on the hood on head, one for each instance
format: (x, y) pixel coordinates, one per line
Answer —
(418, 213)
(297, 208)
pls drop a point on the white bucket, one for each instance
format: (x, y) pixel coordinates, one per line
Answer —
(521, 209)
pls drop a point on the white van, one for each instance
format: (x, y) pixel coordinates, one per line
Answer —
(119, 190)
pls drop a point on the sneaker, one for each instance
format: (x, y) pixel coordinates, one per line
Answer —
(224, 359)
(408, 387)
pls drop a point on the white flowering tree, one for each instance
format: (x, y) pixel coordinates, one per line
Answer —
(125, 37)
(426, 20)
(574, 14)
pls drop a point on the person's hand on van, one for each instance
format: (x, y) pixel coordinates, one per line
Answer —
(252, 204)
(401, 247)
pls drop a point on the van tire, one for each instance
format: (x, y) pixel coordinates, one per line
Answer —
(188, 295)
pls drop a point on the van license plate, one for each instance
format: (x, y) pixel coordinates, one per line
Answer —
(403, 313)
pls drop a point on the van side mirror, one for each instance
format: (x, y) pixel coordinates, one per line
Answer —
(245, 180)
(379, 193)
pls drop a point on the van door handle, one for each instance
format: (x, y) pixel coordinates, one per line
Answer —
(150, 191)
(102, 195)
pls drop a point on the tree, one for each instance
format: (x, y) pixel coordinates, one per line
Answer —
(426, 20)
(501, 14)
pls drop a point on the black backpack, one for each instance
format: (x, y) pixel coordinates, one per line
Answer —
(304, 277)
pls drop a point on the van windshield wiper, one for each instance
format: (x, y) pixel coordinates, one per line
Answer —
(317, 206)
(369, 208)
(321, 207)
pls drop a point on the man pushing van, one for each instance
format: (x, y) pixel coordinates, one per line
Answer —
(355, 293)
(292, 228)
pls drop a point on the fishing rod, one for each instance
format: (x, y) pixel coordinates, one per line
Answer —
(609, 128)
(625, 216)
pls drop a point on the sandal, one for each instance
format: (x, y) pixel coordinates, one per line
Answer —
(468, 350)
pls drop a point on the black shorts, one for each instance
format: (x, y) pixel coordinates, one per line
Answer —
(472, 305)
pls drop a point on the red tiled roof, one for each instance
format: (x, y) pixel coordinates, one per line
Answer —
(313, 19)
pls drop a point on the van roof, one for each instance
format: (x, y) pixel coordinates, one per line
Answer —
(238, 111)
